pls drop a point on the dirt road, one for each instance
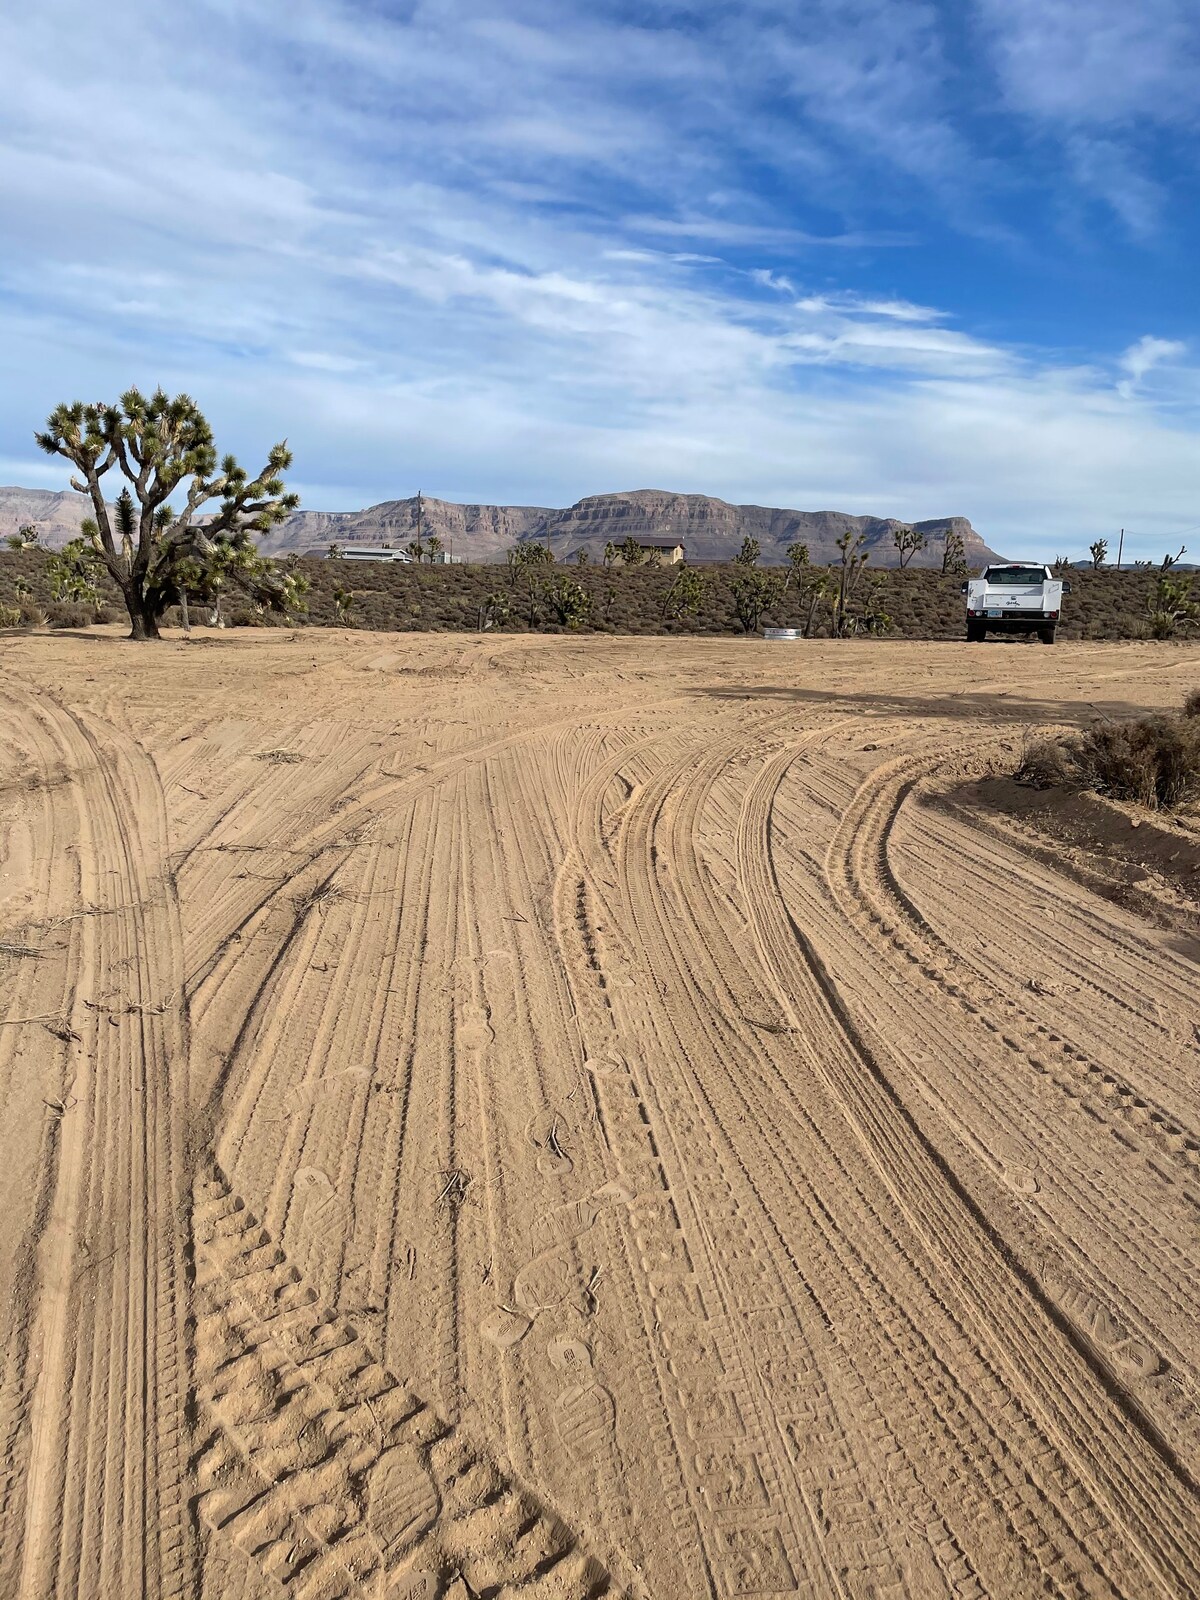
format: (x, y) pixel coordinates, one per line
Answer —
(572, 1118)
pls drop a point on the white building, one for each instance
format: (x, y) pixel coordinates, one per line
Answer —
(373, 552)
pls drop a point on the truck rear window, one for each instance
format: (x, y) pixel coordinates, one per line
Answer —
(1002, 576)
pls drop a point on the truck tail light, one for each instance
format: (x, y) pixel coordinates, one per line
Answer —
(1053, 616)
(970, 613)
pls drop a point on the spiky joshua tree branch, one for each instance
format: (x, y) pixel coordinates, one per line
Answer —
(162, 446)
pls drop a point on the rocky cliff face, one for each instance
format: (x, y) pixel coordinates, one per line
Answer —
(477, 533)
(711, 529)
(56, 516)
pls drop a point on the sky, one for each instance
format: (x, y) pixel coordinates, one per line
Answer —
(895, 257)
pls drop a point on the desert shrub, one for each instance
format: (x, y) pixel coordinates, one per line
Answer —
(32, 614)
(70, 614)
(1152, 761)
(1191, 704)
(1045, 764)
(10, 616)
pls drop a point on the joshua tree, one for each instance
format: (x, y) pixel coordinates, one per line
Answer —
(630, 552)
(583, 556)
(954, 555)
(336, 553)
(748, 555)
(797, 559)
(525, 560)
(343, 606)
(907, 541)
(75, 573)
(854, 558)
(1170, 604)
(524, 557)
(494, 611)
(1099, 553)
(416, 549)
(570, 601)
(610, 553)
(163, 445)
(754, 593)
(433, 546)
(686, 594)
(817, 590)
(25, 538)
(869, 615)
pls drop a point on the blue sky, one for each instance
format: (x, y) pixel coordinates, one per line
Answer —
(888, 256)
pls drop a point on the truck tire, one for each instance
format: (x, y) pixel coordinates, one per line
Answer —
(975, 632)
(1046, 635)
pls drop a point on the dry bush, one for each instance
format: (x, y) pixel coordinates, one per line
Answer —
(1152, 761)
(1045, 764)
(10, 616)
(70, 614)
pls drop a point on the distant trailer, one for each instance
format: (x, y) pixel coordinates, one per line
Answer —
(351, 552)
(782, 633)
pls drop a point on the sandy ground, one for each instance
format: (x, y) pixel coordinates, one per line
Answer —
(575, 1118)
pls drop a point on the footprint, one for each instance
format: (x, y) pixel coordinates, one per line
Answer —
(554, 1166)
(402, 1501)
(585, 1416)
(504, 1328)
(475, 1032)
(1136, 1358)
(563, 1224)
(544, 1282)
(544, 1132)
(569, 1355)
(1022, 1179)
(608, 1064)
(415, 1586)
(613, 1193)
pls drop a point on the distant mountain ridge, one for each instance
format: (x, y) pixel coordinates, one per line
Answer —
(711, 529)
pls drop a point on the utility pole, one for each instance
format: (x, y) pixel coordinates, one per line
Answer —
(420, 510)
(1120, 547)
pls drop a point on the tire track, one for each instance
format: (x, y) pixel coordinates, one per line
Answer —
(111, 1326)
(1150, 1499)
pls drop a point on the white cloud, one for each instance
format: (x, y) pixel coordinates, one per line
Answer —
(1103, 76)
(454, 250)
(1141, 357)
(1096, 63)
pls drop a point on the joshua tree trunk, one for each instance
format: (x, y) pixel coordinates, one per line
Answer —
(143, 621)
(183, 611)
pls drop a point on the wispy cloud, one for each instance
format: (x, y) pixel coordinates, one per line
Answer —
(1096, 63)
(1142, 357)
(532, 250)
(1103, 77)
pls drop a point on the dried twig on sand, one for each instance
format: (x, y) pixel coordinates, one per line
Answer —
(454, 1189)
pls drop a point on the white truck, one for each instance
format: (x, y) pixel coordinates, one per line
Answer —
(1014, 597)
